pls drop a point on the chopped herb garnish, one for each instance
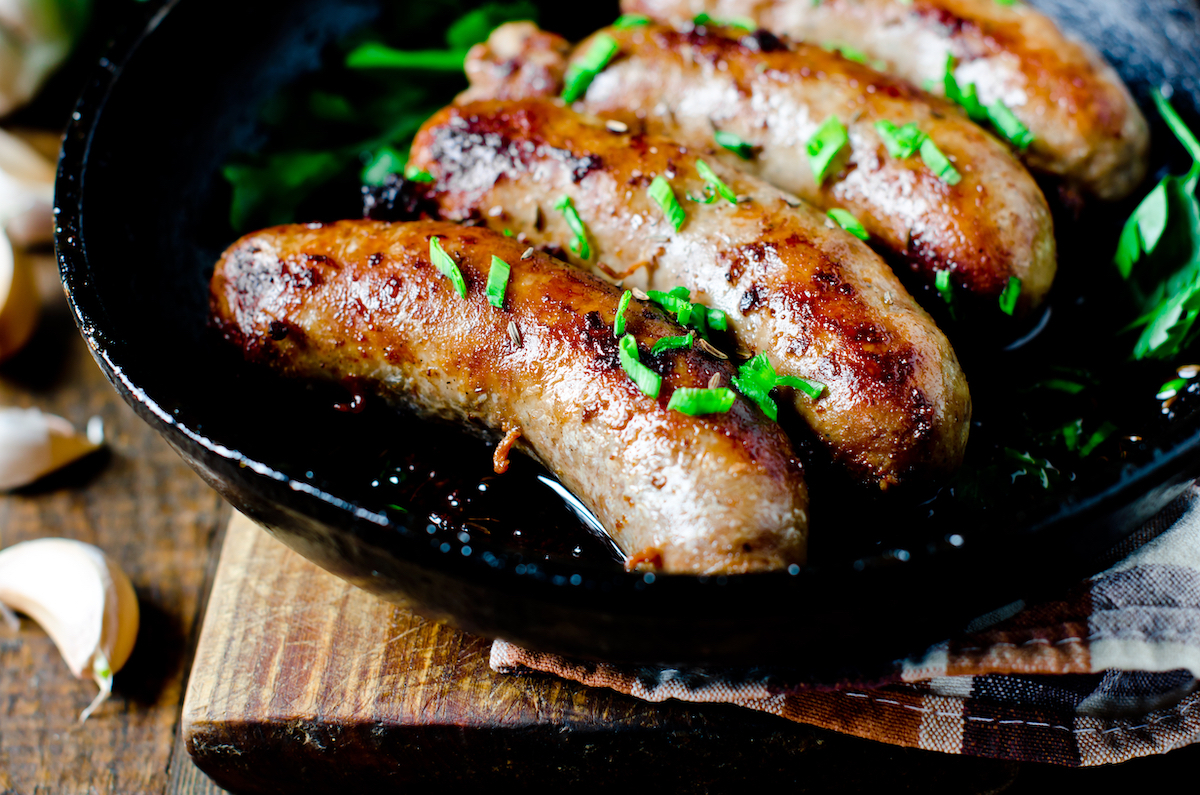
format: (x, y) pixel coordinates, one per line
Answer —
(497, 281)
(901, 142)
(1008, 298)
(849, 223)
(447, 266)
(734, 144)
(648, 381)
(581, 73)
(1061, 385)
(855, 54)
(945, 289)
(626, 21)
(1164, 230)
(664, 197)
(715, 182)
(694, 402)
(415, 174)
(698, 316)
(756, 378)
(745, 23)
(1009, 126)
(824, 146)
(671, 343)
(967, 97)
(619, 323)
(579, 243)
(938, 163)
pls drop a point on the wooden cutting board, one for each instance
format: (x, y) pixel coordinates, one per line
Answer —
(303, 683)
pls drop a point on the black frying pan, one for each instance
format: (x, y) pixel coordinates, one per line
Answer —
(143, 217)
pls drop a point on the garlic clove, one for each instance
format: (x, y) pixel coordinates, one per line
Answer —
(26, 192)
(33, 444)
(82, 599)
(20, 303)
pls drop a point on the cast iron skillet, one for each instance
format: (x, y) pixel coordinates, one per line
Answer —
(143, 217)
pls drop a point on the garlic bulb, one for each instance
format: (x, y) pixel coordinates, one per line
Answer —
(83, 600)
(33, 444)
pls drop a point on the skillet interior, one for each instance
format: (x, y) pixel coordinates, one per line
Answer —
(143, 217)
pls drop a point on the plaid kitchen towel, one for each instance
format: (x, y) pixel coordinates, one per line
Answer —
(1106, 674)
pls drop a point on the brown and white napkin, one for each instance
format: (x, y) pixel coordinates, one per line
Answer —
(1107, 673)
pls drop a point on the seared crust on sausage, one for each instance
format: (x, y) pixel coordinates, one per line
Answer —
(361, 299)
(816, 299)
(991, 226)
(1087, 128)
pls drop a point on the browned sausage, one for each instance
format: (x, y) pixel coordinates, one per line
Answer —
(817, 300)
(1087, 128)
(989, 227)
(713, 493)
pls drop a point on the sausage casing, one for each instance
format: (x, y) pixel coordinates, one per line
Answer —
(817, 300)
(1087, 128)
(992, 225)
(361, 299)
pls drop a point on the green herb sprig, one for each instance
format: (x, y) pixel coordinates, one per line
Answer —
(1162, 237)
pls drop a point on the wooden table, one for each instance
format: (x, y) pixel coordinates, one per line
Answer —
(141, 504)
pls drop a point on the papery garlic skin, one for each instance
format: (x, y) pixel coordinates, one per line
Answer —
(33, 444)
(20, 304)
(83, 600)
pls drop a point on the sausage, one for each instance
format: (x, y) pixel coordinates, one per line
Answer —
(360, 299)
(991, 226)
(818, 301)
(1087, 128)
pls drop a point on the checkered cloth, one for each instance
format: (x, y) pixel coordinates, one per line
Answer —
(1106, 674)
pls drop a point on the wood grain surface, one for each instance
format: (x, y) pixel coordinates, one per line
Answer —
(144, 507)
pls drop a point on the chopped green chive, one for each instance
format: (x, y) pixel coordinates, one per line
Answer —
(1031, 466)
(855, 54)
(756, 378)
(671, 343)
(938, 163)
(1009, 126)
(686, 313)
(648, 381)
(715, 182)
(824, 146)
(812, 389)
(581, 73)
(694, 402)
(849, 223)
(745, 23)
(664, 197)
(1061, 385)
(626, 21)
(968, 98)
(734, 144)
(1006, 2)
(447, 266)
(1008, 298)
(942, 282)
(415, 174)
(497, 281)
(579, 244)
(901, 142)
(619, 323)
